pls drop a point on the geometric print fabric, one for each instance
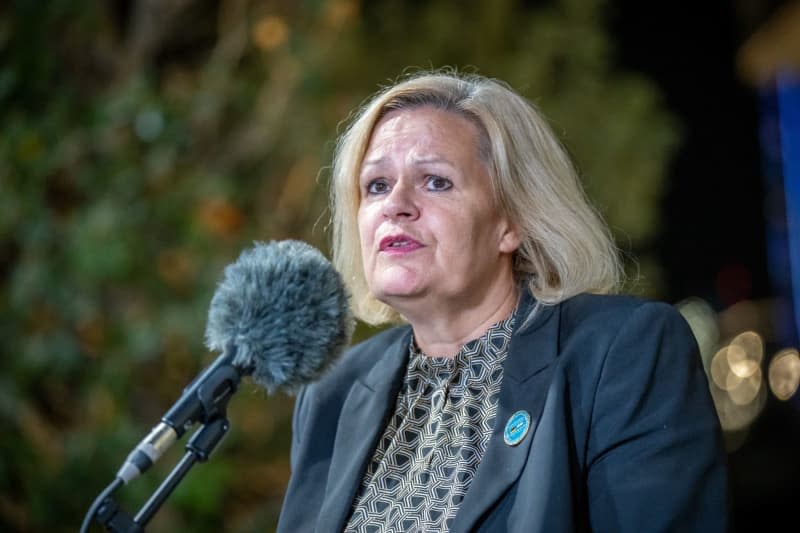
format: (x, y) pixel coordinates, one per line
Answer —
(430, 450)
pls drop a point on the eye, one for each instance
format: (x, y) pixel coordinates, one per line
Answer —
(377, 186)
(437, 183)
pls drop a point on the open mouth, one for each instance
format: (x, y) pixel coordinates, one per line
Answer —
(399, 244)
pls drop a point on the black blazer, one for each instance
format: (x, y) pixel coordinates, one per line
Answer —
(623, 438)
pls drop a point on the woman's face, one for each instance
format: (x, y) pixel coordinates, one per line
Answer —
(430, 231)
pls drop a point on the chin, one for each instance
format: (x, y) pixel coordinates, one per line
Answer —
(395, 285)
(387, 296)
(394, 292)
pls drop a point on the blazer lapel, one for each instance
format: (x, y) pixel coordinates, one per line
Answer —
(527, 375)
(363, 416)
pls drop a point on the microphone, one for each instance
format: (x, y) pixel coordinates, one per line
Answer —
(280, 315)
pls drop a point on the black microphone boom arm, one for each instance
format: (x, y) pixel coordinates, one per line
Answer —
(204, 400)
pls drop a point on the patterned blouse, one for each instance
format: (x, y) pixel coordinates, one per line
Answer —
(430, 450)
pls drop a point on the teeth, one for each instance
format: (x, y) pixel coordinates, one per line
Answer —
(399, 243)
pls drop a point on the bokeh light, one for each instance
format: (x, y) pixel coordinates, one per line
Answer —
(745, 353)
(270, 32)
(703, 322)
(737, 414)
(737, 384)
(721, 373)
(784, 374)
(747, 389)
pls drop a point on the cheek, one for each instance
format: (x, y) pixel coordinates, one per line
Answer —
(464, 227)
(361, 222)
(471, 234)
(365, 230)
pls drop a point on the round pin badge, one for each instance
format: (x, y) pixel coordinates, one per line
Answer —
(517, 427)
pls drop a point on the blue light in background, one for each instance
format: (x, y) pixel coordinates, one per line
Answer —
(788, 95)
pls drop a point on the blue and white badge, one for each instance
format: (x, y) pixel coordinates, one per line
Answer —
(517, 427)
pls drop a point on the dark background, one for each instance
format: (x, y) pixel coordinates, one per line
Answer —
(690, 50)
(717, 177)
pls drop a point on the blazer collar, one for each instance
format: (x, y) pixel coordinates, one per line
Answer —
(534, 343)
(363, 417)
(369, 404)
(526, 379)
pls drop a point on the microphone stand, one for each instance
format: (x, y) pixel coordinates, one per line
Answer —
(198, 449)
(211, 394)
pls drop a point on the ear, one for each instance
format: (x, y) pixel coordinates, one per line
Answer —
(509, 238)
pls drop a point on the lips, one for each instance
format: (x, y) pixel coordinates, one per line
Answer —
(399, 244)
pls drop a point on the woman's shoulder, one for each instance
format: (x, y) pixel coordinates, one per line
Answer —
(601, 320)
(612, 343)
(614, 309)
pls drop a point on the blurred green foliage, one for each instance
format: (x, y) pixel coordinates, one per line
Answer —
(146, 142)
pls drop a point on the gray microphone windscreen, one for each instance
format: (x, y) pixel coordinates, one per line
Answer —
(285, 310)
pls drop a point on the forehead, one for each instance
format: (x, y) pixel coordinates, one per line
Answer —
(424, 129)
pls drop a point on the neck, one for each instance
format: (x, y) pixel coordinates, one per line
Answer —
(440, 333)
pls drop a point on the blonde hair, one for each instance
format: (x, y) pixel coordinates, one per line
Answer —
(566, 247)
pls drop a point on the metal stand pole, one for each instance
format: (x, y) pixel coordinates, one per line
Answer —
(198, 449)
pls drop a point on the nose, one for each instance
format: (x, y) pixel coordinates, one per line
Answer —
(401, 203)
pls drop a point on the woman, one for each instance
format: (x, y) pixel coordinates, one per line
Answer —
(518, 395)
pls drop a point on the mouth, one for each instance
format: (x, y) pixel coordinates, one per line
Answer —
(399, 243)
